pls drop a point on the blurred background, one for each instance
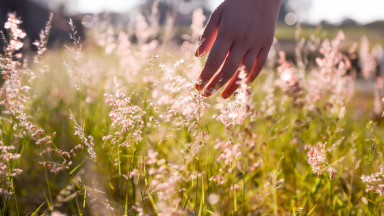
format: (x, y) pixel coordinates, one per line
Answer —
(355, 17)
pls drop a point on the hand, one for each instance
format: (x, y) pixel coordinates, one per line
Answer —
(240, 32)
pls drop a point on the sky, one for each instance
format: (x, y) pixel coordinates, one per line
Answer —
(334, 11)
(92, 6)
(363, 11)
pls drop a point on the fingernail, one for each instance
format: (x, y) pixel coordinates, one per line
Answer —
(225, 95)
(197, 86)
(199, 51)
(200, 85)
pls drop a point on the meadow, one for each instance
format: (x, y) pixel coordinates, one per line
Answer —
(108, 126)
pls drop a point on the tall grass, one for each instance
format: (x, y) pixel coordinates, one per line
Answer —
(124, 132)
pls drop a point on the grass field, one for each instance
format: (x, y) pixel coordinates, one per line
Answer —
(116, 128)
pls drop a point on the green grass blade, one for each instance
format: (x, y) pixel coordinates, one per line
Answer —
(85, 198)
(202, 197)
(76, 167)
(310, 211)
(37, 210)
(49, 204)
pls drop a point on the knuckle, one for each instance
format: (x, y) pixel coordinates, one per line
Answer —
(248, 68)
(225, 33)
(223, 39)
(245, 39)
(213, 63)
(227, 71)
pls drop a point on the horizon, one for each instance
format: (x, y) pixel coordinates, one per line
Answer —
(314, 11)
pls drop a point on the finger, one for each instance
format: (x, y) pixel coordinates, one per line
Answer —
(249, 63)
(216, 57)
(226, 73)
(210, 32)
(260, 61)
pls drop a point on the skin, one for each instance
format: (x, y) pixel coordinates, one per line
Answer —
(239, 32)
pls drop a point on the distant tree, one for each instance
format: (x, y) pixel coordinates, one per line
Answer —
(34, 16)
(177, 4)
(299, 7)
(349, 22)
(67, 7)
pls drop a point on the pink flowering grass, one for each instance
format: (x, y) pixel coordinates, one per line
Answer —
(117, 128)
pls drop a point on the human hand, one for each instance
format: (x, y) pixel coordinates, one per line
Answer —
(240, 32)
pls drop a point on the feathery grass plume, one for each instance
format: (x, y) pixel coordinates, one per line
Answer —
(87, 141)
(367, 61)
(13, 96)
(41, 44)
(317, 158)
(330, 79)
(374, 182)
(13, 101)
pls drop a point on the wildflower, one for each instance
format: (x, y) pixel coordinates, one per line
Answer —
(126, 144)
(332, 172)
(287, 72)
(218, 178)
(317, 158)
(374, 182)
(17, 172)
(152, 157)
(236, 187)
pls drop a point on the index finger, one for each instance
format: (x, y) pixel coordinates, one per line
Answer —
(216, 57)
